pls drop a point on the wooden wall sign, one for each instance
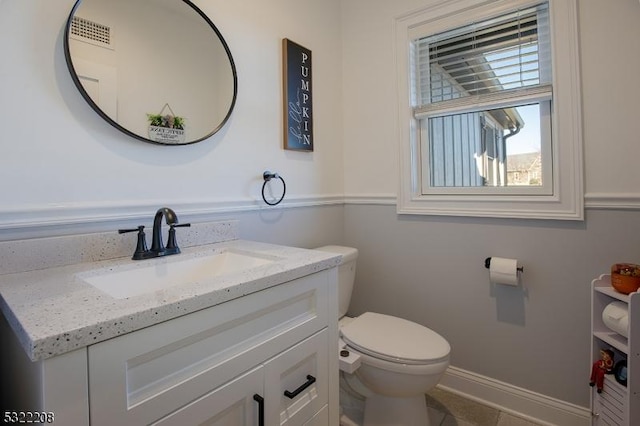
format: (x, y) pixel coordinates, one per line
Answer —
(298, 108)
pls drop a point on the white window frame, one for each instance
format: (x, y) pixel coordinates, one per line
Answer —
(566, 200)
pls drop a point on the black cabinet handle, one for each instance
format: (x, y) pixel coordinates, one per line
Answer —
(260, 401)
(310, 380)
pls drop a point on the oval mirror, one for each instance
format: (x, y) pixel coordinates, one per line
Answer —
(158, 70)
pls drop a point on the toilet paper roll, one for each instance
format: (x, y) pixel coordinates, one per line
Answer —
(503, 271)
(616, 317)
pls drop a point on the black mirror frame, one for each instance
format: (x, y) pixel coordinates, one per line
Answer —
(96, 108)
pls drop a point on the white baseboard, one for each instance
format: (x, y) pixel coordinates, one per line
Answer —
(514, 400)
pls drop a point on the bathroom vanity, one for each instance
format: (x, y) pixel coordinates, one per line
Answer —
(249, 346)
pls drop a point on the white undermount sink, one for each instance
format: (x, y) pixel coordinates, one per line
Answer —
(171, 271)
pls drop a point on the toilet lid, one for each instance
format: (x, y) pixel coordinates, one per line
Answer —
(395, 339)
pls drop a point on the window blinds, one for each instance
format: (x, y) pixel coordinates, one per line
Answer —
(507, 57)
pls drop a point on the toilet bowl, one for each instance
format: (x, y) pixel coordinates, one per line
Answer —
(398, 360)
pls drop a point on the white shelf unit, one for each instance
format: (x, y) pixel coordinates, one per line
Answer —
(617, 405)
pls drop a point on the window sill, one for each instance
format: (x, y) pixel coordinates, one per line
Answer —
(538, 207)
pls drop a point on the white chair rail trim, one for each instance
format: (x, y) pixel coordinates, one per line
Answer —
(600, 201)
(44, 220)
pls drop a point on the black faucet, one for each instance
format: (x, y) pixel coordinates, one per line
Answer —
(170, 217)
(157, 247)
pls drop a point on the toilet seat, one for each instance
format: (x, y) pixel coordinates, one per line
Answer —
(395, 340)
(403, 368)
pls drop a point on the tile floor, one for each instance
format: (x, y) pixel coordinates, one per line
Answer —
(445, 409)
(449, 409)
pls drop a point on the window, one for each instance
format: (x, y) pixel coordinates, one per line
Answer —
(488, 132)
(460, 75)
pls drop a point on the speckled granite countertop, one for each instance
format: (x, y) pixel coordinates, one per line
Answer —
(53, 311)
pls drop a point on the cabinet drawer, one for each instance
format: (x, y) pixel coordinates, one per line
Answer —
(301, 372)
(145, 375)
(320, 419)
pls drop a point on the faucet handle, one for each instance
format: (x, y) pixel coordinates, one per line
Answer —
(124, 231)
(171, 240)
(141, 246)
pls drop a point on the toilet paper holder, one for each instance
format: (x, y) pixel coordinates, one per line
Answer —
(487, 264)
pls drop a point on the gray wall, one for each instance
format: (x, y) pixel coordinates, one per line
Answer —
(431, 270)
(305, 227)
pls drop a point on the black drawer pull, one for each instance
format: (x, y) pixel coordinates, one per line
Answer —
(310, 380)
(260, 401)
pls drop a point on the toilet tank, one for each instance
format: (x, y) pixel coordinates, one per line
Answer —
(346, 274)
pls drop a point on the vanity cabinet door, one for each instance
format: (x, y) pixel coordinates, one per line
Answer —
(301, 372)
(232, 404)
(320, 419)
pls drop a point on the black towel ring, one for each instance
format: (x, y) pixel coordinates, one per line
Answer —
(267, 176)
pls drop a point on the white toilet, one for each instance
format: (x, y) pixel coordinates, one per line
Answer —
(399, 360)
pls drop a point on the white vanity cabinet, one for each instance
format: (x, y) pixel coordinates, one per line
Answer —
(222, 365)
(239, 402)
(617, 405)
